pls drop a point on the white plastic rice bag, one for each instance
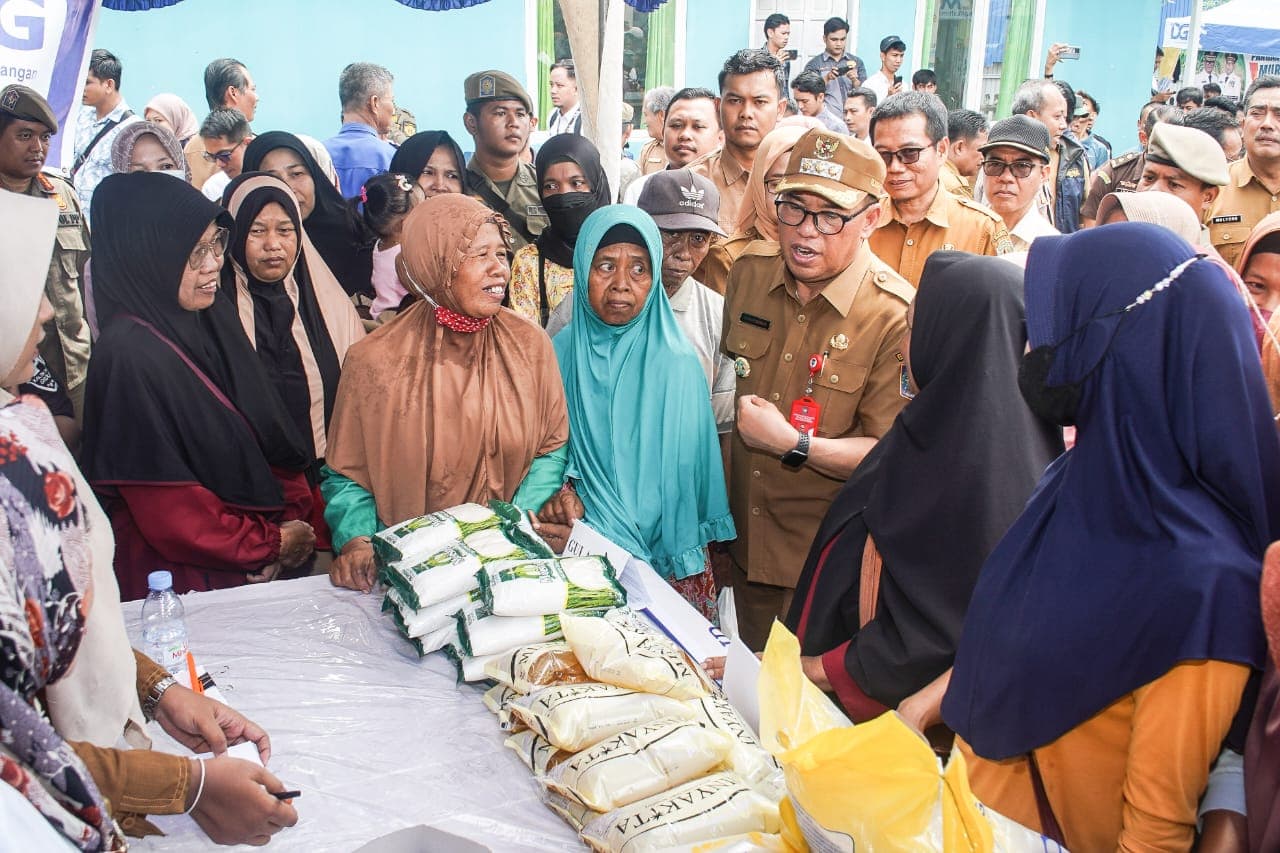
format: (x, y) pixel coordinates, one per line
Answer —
(440, 576)
(640, 762)
(576, 716)
(702, 810)
(619, 649)
(416, 538)
(441, 637)
(493, 635)
(535, 751)
(535, 587)
(529, 668)
(493, 544)
(747, 758)
(574, 814)
(499, 698)
(470, 667)
(748, 842)
(423, 621)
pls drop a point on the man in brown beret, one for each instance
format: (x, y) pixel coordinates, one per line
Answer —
(27, 124)
(815, 334)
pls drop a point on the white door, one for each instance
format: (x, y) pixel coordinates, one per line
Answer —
(807, 18)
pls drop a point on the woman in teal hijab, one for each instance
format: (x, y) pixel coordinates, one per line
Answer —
(644, 462)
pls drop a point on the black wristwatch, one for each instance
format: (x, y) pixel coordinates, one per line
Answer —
(799, 454)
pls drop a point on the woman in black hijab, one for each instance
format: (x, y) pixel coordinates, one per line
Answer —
(338, 233)
(197, 463)
(883, 595)
(434, 162)
(573, 186)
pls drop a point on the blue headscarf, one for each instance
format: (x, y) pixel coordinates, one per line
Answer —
(1141, 547)
(642, 437)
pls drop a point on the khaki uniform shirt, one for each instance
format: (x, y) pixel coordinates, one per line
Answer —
(653, 157)
(522, 197)
(859, 320)
(201, 169)
(1241, 204)
(731, 181)
(954, 182)
(66, 342)
(1118, 175)
(950, 223)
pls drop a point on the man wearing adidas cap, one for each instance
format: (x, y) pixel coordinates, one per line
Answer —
(816, 334)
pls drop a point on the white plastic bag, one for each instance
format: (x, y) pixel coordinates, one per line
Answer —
(576, 716)
(620, 649)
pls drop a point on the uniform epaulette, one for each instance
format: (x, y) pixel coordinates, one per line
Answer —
(46, 183)
(890, 282)
(980, 207)
(1124, 158)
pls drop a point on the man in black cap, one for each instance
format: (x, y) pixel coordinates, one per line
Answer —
(500, 118)
(27, 124)
(886, 81)
(1015, 167)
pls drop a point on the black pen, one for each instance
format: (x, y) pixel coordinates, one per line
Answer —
(286, 795)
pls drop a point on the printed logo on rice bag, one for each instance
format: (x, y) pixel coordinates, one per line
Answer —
(416, 538)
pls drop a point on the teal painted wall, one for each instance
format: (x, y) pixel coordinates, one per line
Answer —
(295, 50)
(880, 19)
(716, 29)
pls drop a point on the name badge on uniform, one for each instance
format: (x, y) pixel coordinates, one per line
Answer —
(1225, 220)
(68, 220)
(753, 320)
(535, 210)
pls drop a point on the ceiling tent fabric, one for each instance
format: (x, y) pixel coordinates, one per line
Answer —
(425, 5)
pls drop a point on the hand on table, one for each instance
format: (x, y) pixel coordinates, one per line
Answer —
(235, 806)
(297, 541)
(202, 724)
(763, 427)
(354, 567)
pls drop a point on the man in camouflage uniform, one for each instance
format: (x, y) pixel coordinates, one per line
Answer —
(27, 123)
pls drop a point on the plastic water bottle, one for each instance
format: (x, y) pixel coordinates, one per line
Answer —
(163, 630)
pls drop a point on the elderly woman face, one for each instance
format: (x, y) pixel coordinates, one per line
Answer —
(271, 245)
(199, 284)
(619, 282)
(286, 164)
(148, 155)
(481, 280)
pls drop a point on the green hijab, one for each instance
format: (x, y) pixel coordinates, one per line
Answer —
(642, 437)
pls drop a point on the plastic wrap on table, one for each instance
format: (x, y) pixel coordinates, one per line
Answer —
(376, 738)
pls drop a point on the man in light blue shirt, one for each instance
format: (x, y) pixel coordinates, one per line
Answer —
(100, 119)
(359, 151)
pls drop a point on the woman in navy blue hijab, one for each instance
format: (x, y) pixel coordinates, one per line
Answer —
(1113, 628)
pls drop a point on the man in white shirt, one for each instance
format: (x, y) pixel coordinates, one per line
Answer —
(892, 51)
(1015, 167)
(1208, 70)
(567, 116)
(98, 124)
(1229, 80)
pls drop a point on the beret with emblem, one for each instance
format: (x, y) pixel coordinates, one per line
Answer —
(27, 104)
(839, 168)
(1193, 151)
(495, 86)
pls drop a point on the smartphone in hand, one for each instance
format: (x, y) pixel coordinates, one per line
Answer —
(1071, 51)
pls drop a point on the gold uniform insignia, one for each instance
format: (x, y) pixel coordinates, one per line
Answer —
(825, 147)
(840, 341)
(742, 367)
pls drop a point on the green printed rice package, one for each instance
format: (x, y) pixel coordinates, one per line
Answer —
(705, 809)
(576, 716)
(530, 668)
(440, 576)
(535, 751)
(638, 763)
(493, 543)
(618, 648)
(748, 758)
(495, 634)
(441, 637)
(535, 587)
(420, 622)
(417, 538)
(470, 668)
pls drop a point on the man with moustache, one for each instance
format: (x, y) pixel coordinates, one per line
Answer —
(815, 334)
(750, 97)
(1253, 190)
(1015, 166)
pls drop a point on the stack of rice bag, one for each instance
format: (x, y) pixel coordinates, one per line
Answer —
(630, 742)
(476, 581)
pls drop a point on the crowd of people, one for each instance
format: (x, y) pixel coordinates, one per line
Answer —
(985, 415)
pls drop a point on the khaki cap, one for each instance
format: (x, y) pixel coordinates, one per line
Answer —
(837, 167)
(1193, 151)
(27, 104)
(495, 86)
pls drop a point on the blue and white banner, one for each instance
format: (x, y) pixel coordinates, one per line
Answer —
(45, 44)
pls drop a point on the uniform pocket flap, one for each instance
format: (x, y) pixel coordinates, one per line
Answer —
(747, 340)
(846, 376)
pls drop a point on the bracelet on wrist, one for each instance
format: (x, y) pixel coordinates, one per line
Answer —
(199, 790)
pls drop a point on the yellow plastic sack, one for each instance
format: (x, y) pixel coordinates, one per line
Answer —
(871, 787)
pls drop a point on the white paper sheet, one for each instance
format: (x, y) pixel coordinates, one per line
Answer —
(742, 682)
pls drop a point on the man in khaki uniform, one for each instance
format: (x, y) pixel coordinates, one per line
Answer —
(1254, 188)
(818, 327)
(653, 157)
(1122, 174)
(500, 118)
(26, 125)
(751, 97)
(909, 131)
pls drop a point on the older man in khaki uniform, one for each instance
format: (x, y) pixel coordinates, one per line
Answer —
(816, 336)
(1254, 188)
(26, 125)
(500, 118)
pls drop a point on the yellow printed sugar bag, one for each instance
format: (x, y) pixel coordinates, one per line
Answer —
(749, 842)
(575, 814)
(576, 716)
(618, 648)
(702, 810)
(639, 763)
(541, 665)
(874, 786)
(747, 758)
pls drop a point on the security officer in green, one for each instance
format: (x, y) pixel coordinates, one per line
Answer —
(27, 123)
(500, 118)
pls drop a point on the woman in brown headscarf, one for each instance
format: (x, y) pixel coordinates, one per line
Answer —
(457, 400)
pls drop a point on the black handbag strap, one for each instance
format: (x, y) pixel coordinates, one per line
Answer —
(107, 128)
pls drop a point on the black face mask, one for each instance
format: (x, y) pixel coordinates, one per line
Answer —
(567, 212)
(1057, 404)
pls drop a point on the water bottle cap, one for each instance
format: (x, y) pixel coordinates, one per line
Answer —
(160, 581)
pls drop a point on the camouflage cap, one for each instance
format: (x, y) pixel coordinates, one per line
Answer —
(27, 104)
(495, 86)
